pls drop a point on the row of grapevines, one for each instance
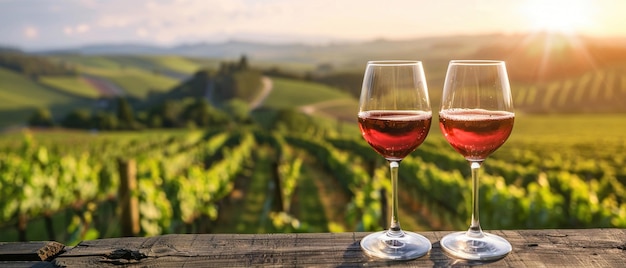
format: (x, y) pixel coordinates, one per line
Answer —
(170, 196)
(365, 207)
(37, 181)
(531, 196)
(287, 172)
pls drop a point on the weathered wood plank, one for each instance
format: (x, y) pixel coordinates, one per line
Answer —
(531, 248)
(29, 251)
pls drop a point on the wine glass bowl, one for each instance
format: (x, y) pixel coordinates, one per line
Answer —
(476, 118)
(394, 118)
(394, 134)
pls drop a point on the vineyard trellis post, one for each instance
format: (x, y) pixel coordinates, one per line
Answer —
(278, 193)
(129, 202)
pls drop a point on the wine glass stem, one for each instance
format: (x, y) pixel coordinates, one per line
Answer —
(475, 230)
(394, 226)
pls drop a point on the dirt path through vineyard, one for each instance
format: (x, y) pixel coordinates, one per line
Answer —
(333, 200)
(266, 88)
(246, 209)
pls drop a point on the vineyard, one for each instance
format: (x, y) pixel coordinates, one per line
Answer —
(594, 91)
(249, 180)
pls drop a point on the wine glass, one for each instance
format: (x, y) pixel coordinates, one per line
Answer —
(394, 118)
(476, 118)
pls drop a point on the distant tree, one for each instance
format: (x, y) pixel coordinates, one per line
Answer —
(154, 121)
(33, 66)
(243, 63)
(166, 114)
(202, 73)
(105, 121)
(227, 68)
(345, 81)
(277, 72)
(79, 118)
(125, 113)
(41, 118)
(324, 68)
(203, 114)
(224, 87)
(238, 110)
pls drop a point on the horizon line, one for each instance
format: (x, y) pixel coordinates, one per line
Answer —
(288, 41)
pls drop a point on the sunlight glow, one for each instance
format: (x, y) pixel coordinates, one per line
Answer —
(565, 16)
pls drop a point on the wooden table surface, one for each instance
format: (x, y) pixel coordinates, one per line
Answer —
(531, 248)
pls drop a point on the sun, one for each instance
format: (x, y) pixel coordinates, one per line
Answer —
(565, 16)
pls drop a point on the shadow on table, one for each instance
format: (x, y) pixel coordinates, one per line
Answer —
(441, 259)
(354, 256)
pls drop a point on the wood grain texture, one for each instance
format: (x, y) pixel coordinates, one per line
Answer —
(29, 251)
(531, 248)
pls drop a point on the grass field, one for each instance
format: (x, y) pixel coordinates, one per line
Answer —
(175, 63)
(22, 96)
(74, 85)
(80, 61)
(288, 93)
(135, 82)
(162, 63)
(17, 91)
(136, 75)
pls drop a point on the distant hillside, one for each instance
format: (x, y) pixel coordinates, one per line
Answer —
(543, 56)
(32, 65)
(549, 73)
(346, 53)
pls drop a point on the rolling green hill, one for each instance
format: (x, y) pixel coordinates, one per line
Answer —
(170, 65)
(312, 98)
(548, 74)
(21, 96)
(289, 93)
(134, 81)
(601, 90)
(71, 84)
(175, 63)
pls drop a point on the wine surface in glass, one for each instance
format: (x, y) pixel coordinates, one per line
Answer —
(476, 133)
(394, 133)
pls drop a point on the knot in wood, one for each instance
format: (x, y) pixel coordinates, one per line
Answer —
(126, 254)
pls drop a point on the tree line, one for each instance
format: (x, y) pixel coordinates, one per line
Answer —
(33, 66)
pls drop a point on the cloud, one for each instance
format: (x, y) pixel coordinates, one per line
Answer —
(31, 32)
(142, 32)
(78, 29)
(169, 22)
(113, 21)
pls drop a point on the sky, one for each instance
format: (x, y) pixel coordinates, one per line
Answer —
(51, 24)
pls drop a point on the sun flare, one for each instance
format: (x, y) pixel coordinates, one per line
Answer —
(565, 16)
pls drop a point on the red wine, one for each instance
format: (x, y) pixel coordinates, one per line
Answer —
(394, 134)
(476, 133)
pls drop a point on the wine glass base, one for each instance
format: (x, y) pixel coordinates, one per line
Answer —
(407, 247)
(486, 248)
